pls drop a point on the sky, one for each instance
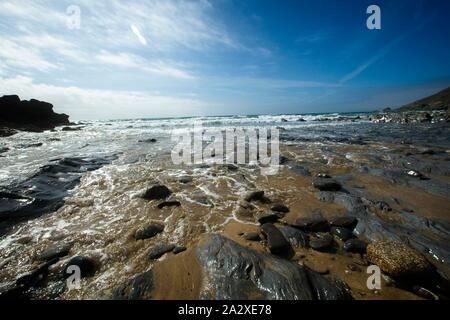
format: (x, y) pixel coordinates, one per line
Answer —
(164, 58)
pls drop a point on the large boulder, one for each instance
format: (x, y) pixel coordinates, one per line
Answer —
(397, 259)
(33, 115)
(234, 272)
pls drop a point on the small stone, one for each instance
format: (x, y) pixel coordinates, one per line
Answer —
(326, 184)
(55, 252)
(255, 196)
(156, 192)
(179, 249)
(159, 250)
(397, 259)
(152, 140)
(355, 246)
(148, 231)
(353, 267)
(268, 218)
(251, 236)
(344, 222)
(279, 207)
(169, 203)
(316, 224)
(342, 233)
(322, 243)
(185, 179)
(297, 238)
(87, 266)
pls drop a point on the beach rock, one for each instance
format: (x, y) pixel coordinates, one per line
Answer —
(279, 207)
(7, 132)
(152, 140)
(45, 191)
(72, 128)
(255, 196)
(296, 237)
(414, 174)
(87, 266)
(276, 242)
(159, 250)
(55, 252)
(268, 218)
(342, 233)
(383, 206)
(344, 222)
(35, 277)
(355, 246)
(326, 184)
(233, 272)
(169, 203)
(251, 236)
(322, 243)
(148, 231)
(179, 249)
(185, 179)
(315, 224)
(397, 259)
(30, 115)
(156, 192)
(137, 288)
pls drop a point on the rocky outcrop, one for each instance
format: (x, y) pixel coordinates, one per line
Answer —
(412, 117)
(438, 101)
(235, 272)
(32, 115)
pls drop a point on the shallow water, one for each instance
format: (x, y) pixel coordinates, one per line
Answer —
(100, 213)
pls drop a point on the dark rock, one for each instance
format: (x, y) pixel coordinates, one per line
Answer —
(45, 191)
(276, 242)
(185, 179)
(315, 224)
(138, 288)
(425, 293)
(169, 203)
(414, 174)
(300, 170)
(72, 129)
(251, 236)
(35, 277)
(255, 196)
(30, 115)
(322, 243)
(7, 132)
(179, 249)
(344, 222)
(355, 246)
(354, 267)
(326, 184)
(301, 120)
(296, 237)
(152, 140)
(323, 175)
(279, 207)
(55, 252)
(156, 192)
(87, 266)
(268, 218)
(342, 233)
(233, 272)
(148, 231)
(383, 206)
(159, 250)
(284, 120)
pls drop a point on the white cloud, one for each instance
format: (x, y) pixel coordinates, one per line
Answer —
(82, 103)
(15, 55)
(133, 61)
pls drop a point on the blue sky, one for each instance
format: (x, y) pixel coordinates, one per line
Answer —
(163, 58)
